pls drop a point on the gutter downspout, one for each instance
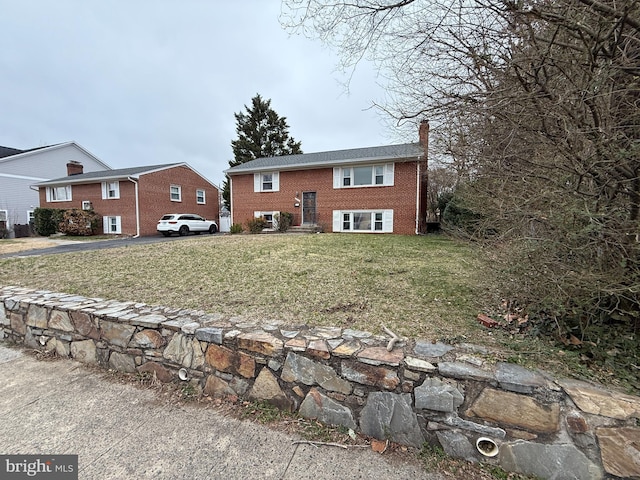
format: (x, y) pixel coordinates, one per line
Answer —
(137, 207)
(418, 197)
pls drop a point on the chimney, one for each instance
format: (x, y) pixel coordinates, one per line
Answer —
(423, 134)
(74, 168)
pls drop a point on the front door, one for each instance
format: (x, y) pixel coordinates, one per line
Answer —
(309, 207)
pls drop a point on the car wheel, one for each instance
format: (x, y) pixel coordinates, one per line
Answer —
(213, 229)
(184, 230)
(166, 234)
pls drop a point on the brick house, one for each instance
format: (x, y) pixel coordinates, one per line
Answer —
(132, 200)
(363, 190)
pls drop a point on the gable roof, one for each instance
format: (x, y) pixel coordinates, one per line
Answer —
(409, 151)
(11, 154)
(91, 177)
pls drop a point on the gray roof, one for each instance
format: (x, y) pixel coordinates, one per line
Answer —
(8, 151)
(409, 151)
(108, 174)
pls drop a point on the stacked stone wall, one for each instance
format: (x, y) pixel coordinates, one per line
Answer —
(523, 420)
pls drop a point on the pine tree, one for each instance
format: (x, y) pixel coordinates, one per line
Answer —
(261, 133)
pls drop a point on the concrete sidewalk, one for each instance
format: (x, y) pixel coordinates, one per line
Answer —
(122, 432)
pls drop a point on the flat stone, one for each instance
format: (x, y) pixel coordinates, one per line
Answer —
(4, 320)
(327, 332)
(289, 333)
(148, 339)
(85, 325)
(437, 395)
(217, 387)
(17, 323)
(116, 333)
(319, 406)
(462, 371)
(260, 342)
(334, 343)
(370, 375)
(156, 369)
(36, 316)
(319, 349)
(84, 351)
(210, 335)
(452, 420)
(61, 348)
(518, 379)
(457, 445)
(267, 388)
(591, 399)
(60, 320)
(190, 328)
(301, 369)
(296, 344)
(179, 350)
(198, 355)
(390, 416)
(421, 365)
(620, 451)
(347, 349)
(226, 360)
(476, 361)
(149, 321)
(122, 362)
(350, 333)
(561, 462)
(381, 356)
(429, 349)
(516, 410)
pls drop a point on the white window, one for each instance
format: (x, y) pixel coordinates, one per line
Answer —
(266, 182)
(270, 218)
(176, 193)
(112, 225)
(59, 194)
(110, 190)
(363, 176)
(366, 221)
(4, 215)
(86, 205)
(200, 197)
(30, 216)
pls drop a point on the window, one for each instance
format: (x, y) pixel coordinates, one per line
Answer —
(110, 190)
(269, 218)
(176, 193)
(112, 225)
(30, 217)
(380, 221)
(363, 176)
(86, 205)
(200, 197)
(266, 182)
(59, 194)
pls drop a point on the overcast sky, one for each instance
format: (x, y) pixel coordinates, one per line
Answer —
(142, 82)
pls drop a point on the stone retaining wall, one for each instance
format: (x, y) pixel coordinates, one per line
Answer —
(419, 392)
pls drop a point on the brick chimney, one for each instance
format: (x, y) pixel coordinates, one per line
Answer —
(423, 134)
(74, 168)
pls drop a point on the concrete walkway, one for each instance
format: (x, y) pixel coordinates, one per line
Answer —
(122, 432)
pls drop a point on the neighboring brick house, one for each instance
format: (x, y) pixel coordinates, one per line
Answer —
(132, 200)
(363, 190)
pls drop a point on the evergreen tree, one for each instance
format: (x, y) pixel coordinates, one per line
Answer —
(261, 133)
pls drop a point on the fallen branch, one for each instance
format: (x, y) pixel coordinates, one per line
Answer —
(328, 444)
(394, 338)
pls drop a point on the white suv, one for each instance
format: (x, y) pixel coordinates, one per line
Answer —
(183, 223)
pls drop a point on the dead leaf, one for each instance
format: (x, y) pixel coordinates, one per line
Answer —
(378, 445)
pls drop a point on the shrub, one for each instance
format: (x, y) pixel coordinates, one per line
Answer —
(284, 221)
(79, 222)
(46, 220)
(256, 225)
(236, 228)
(4, 233)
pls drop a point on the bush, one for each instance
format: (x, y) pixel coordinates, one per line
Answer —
(79, 222)
(47, 220)
(284, 221)
(236, 228)
(256, 225)
(4, 233)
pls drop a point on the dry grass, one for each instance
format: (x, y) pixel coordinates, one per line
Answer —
(419, 286)
(23, 244)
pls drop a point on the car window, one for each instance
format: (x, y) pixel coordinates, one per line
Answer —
(197, 217)
(166, 217)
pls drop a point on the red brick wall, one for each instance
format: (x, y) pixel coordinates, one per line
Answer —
(401, 197)
(154, 199)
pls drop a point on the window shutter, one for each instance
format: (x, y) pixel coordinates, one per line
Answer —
(257, 182)
(104, 190)
(337, 220)
(388, 174)
(105, 224)
(48, 193)
(257, 214)
(276, 182)
(336, 178)
(387, 221)
(118, 224)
